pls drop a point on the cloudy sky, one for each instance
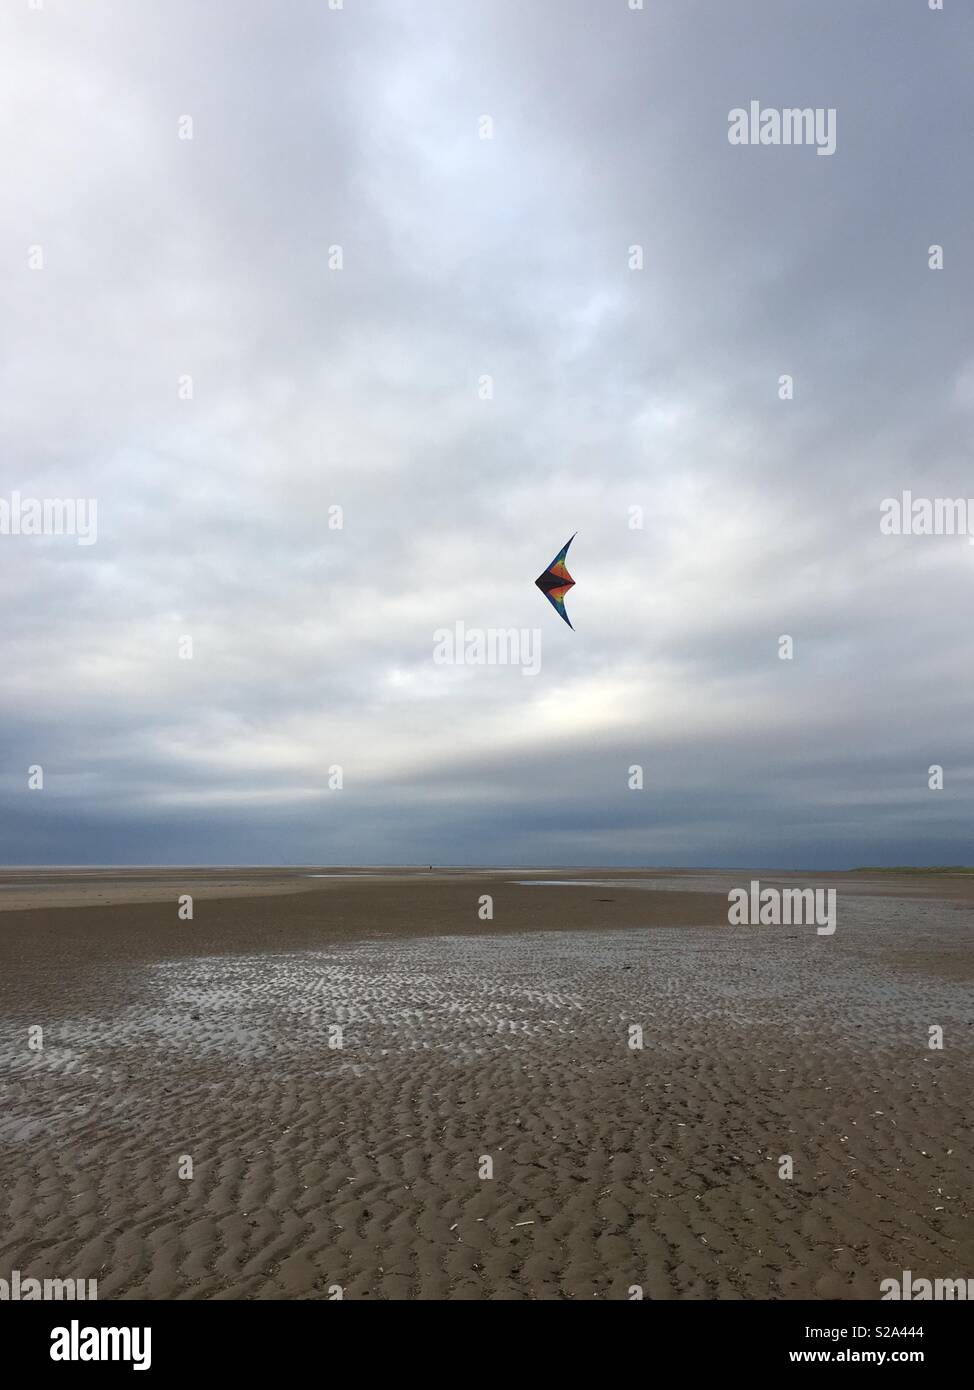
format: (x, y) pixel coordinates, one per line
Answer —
(170, 263)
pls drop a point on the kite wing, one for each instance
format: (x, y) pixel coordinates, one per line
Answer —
(555, 582)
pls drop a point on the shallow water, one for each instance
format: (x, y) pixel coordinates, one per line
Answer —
(470, 996)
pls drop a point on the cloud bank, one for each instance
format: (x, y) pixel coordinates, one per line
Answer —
(483, 374)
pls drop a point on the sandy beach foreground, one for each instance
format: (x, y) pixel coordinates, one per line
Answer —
(485, 1129)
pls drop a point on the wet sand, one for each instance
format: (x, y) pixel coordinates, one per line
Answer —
(358, 1166)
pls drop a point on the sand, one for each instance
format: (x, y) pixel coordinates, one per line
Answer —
(318, 1168)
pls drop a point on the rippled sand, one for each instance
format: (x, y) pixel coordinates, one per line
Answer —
(359, 1165)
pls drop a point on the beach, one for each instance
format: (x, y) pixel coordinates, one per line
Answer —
(382, 1085)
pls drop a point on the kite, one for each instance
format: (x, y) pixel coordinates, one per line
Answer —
(556, 581)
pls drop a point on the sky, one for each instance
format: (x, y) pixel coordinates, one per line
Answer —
(387, 266)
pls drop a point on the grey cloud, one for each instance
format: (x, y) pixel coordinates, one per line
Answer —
(613, 388)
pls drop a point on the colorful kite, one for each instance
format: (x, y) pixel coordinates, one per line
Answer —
(556, 581)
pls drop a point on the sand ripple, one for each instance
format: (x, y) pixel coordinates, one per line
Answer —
(358, 1166)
